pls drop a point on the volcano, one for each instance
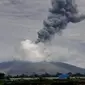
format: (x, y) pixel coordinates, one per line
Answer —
(23, 67)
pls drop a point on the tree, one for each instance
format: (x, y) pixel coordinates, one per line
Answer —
(57, 74)
(70, 74)
(2, 75)
(78, 75)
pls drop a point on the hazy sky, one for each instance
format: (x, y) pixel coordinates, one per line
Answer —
(21, 19)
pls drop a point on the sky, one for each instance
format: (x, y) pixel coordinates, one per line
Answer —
(21, 20)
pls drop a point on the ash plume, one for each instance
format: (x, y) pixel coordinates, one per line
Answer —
(61, 13)
(29, 51)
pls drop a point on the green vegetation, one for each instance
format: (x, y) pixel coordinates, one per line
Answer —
(2, 75)
(44, 79)
(1, 82)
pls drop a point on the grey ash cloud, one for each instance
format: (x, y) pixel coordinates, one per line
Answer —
(61, 13)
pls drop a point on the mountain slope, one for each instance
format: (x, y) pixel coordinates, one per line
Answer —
(21, 67)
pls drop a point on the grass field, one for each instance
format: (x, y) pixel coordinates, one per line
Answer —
(1, 82)
(43, 81)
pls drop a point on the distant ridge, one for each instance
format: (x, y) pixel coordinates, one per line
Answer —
(22, 67)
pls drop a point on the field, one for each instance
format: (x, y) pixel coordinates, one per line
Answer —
(43, 81)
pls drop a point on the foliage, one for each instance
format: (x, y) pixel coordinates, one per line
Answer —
(42, 81)
(1, 82)
(2, 75)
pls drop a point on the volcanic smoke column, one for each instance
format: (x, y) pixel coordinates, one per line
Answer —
(61, 13)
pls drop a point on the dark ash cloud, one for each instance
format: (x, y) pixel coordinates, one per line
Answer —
(61, 13)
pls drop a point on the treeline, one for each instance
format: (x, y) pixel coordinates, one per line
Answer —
(48, 75)
(2, 75)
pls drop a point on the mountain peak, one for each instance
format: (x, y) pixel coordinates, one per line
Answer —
(22, 67)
